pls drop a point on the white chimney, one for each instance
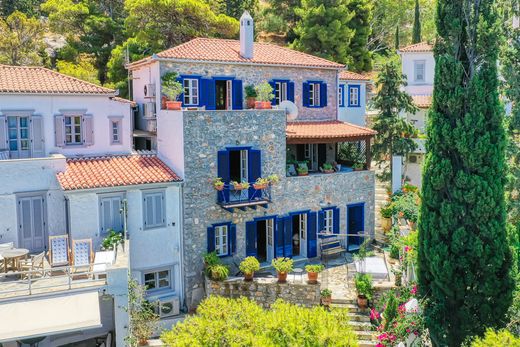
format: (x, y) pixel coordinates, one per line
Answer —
(246, 35)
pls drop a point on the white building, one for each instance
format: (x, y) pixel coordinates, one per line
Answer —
(352, 97)
(67, 168)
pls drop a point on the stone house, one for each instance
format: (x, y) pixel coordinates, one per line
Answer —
(215, 135)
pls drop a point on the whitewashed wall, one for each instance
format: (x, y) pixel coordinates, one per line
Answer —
(418, 88)
(354, 115)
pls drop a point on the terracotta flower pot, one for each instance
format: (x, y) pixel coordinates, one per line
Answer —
(282, 277)
(312, 277)
(173, 105)
(328, 171)
(249, 277)
(266, 105)
(219, 188)
(303, 174)
(326, 300)
(250, 102)
(386, 223)
(143, 342)
(260, 186)
(362, 301)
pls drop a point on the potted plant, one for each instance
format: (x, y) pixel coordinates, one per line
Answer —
(112, 240)
(326, 297)
(312, 272)
(358, 166)
(302, 169)
(211, 259)
(218, 184)
(387, 212)
(239, 186)
(250, 96)
(218, 272)
(143, 321)
(264, 95)
(172, 89)
(282, 266)
(364, 289)
(327, 168)
(261, 183)
(273, 179)
(248, 266)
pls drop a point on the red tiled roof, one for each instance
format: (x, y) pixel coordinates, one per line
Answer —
(114, 171)
(352, 76)
(417, 48)
(332, 130)
(124, 101)
(422, 101)
(222, 50)
(39, 80)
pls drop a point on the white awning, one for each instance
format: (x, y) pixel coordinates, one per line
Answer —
(49, 316)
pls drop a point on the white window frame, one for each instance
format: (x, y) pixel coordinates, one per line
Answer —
(280, 92)
(416, 64)
(303, 225)
(116, 138)
(269, 228)
(328, 221)
(157, 280)
(191, 91)
(314, 94)
(222, 240)
(69, 129)
(150, 194)
(229, 94)
(353, 96)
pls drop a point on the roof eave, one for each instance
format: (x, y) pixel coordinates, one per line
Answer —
(118, 187)
(112, 94)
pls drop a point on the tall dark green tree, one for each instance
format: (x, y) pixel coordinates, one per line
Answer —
(464, 255)
(360, 23)
(29, 7)
(396, 38)
(394, 132)
(284, 12)
(416, 34)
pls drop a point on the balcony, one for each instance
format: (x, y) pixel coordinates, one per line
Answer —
(230, 198)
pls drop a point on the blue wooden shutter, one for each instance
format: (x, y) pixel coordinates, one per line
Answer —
(312, 243)
(305, 94)
(255, 168)
(238, 100)
(321, 221)
(335, 218)
(211, 239)
(223, 172)
(287, 237)
(233, 238)
(207, 93)
(323, 94)
(273, 85)
(181, 96)
(251, 239)
(290, 91)
(278, 237)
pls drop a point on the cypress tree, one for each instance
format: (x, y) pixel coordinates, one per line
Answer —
(416, 36)
(397, 37)
(360, 23)
(464, 255)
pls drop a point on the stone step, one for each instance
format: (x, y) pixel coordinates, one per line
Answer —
(360, 325)
(364, 343)
(366, 335)
(344, 301)
(355, 317)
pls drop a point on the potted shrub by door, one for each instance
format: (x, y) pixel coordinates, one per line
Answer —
(326, 297)
(312, 272)
(248, 266)
(282, 266)
(358, 166)
(250, 96)
(172, 89)
(327, 168)
(264, 95)
(364, 289)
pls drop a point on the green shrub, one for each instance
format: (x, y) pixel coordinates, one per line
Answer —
(250, 91)
(314, 268)
(211, 259)
(325, 293)
(264, 91)
(390, 312)
(218, 272)
(497, 339)
(283, 264)
(170, 86)
(249, 265)
(387, 211)
(364, 285)
(113, 239)
(227, 322)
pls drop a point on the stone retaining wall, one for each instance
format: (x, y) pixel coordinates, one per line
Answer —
(265, 291)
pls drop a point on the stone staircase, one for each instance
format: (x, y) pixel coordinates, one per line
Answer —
(380, 200)
(359, 321)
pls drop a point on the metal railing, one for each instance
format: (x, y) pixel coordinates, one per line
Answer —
(230, 196)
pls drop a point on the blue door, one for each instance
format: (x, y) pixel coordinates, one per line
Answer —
(355, 225)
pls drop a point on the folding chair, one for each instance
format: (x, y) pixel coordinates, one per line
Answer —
(82, 254)
(59, 253)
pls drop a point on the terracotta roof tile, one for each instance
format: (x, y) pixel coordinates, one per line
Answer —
(325, 130)
(352, 76)
(221, 50)
(124, 101)
(417, 48)
(422, 101)
(114, 171)
(39, 80)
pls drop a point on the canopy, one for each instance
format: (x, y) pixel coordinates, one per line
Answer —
(49, 316)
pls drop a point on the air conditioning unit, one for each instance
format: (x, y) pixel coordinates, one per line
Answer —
(412, 159)
(151, 125)
(168, 306)
(149, 90)
(149, 110)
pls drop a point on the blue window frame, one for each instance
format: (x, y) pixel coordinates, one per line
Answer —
(314, 94)
(341, 95)
(250, 168)
(354, 95)
(328, 220)
(191, 89)
(283, 90)
(222, 239)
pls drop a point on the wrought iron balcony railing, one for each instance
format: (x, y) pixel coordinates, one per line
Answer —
(231, 197)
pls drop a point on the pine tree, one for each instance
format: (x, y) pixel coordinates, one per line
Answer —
(360, 23)
(416, 35)
(464, 255)
(394, 132)
(396, 37)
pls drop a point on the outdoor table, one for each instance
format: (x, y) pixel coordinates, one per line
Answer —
(14, 255)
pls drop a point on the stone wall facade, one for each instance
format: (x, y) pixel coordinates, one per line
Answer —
(255, 74)
(207, 132)
(266, 291)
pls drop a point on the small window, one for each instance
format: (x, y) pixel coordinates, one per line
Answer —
(110, 213)
(328, 221)
(73, 130)
(280, 92)
(155, 280)
(191, 91)
(221, 240)
(314, 94)
(115, 131)
(154, 210)
(353, 96)
(341, 98)
(419, 70)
